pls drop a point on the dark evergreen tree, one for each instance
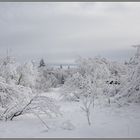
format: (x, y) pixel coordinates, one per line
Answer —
(62, 80)
(42, 63)
(61, 67)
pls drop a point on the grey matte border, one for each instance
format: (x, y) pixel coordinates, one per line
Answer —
(69, 0)
(71, 138)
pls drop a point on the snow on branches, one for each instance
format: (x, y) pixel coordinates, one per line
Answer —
(18, 100)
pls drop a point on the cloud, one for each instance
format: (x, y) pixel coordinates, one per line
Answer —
(61, 31)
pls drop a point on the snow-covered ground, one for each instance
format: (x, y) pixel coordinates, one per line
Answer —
(106, 122)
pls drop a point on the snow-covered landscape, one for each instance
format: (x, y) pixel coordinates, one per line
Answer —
(54, 82)
(94, 99)
(107, 122)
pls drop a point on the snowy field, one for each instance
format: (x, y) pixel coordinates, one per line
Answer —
(106, 122)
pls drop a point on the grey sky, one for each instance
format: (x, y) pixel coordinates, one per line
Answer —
(59, 32)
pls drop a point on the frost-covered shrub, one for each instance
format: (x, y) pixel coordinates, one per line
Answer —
(136, 58)
(13, 97)
(72, 87)
(27, 75)
(77, 86)
(130, 92)
(18, 100)
(8, 69)
(96, 68)
(45, 79)
(106, 76)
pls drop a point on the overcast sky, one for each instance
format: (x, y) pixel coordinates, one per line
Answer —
(60, 32)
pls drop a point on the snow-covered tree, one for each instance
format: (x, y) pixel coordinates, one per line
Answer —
(95, 67)
(87, 106)
(8, 69)
(27, 74)
(129, 90)
(16, 100)
(72, 86)
(45, 79)
(109, 76)
(136, 58)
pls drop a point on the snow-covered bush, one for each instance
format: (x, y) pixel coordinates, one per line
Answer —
(130, 90)
(72, 87)
(81, 88)
(8, 69)
(45, 79)
(18, 100)
(96, 68)
(62, 74)
(27, 75)
(136, 58)
(106, 76)
(13, 97)
(77, 86)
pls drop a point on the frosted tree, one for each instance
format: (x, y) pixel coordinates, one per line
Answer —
(136, 58)
(72, 88)
(16, 100)
(88, 103)
(95, 67)
(88, 95)
(81, 88)
(61, 67)
(27, 75)
(129, 92)
(45, 79)
(8, 69)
